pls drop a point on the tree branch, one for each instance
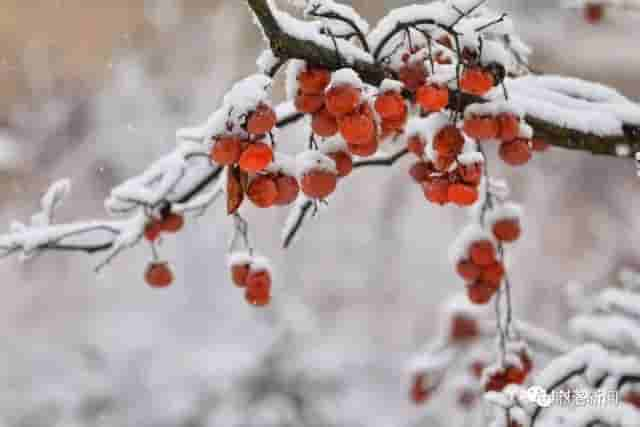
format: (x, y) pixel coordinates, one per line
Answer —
(287, 46)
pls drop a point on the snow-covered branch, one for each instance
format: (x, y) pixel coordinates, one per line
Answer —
(589, 118)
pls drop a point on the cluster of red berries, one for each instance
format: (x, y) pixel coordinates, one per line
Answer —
(441, 182)
(252, 274)
(481, 270)
(339, 108)
(158, 274)
(504, 127)
(514, 372)
(251, 154)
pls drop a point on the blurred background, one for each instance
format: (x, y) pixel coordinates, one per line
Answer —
(92, 90)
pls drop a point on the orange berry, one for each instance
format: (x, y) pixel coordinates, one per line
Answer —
(324, 124)
(432, 98)
(448, 141)
(476, 81)
(492, 275)
(391, 106)
(262, 120)
(256, 157)
(478, 293)
(172, 223)
(313, 81)
(263, 191)
(516, 152)
(239, 275)
(413, 75)
(364, 150)
(421, 171)
(462, 194)
(318, 184)
(468, 270)
(152, 231)
(482, 253)
(481, 127)
(344, 163)
(342, 100)
(416, 146)
(539, 145)
(436, 191)
(158, 275)
(308, 104)
(507, 230)
(226, 150)
(463, 328)
(288, 190)
(357, 128)
(509, 126)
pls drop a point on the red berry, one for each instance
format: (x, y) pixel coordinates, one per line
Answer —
(288, 190)
(468, 271)
(509, 125)
(344, 163)
(463, 329)
(462, 194)
(262, 120)
(364, 150)
(482, 253)
(256, 157)
(324, 123)
(259, 281)
(593, 13)
(448, 141)
(239, 274)
(263, 191)
(516, 152)
(226, 150)
(421, 171)
(419, 391)
(481, 127)
(492, 275)
(507, 230)
(152, 231)
(479, 293)
(413, 75)
(172, 223)
(313, 81)
(476, 81)
(416, 146)
(539, 145)
(343, 99)
(318, 184)
(437, 191)
(357, 128)
(432, 98)
(158, 275)
(391, 106)
(308, 104)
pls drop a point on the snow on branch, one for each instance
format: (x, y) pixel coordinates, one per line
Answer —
(587, 117)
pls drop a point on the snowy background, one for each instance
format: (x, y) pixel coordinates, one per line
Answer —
(94, 90)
